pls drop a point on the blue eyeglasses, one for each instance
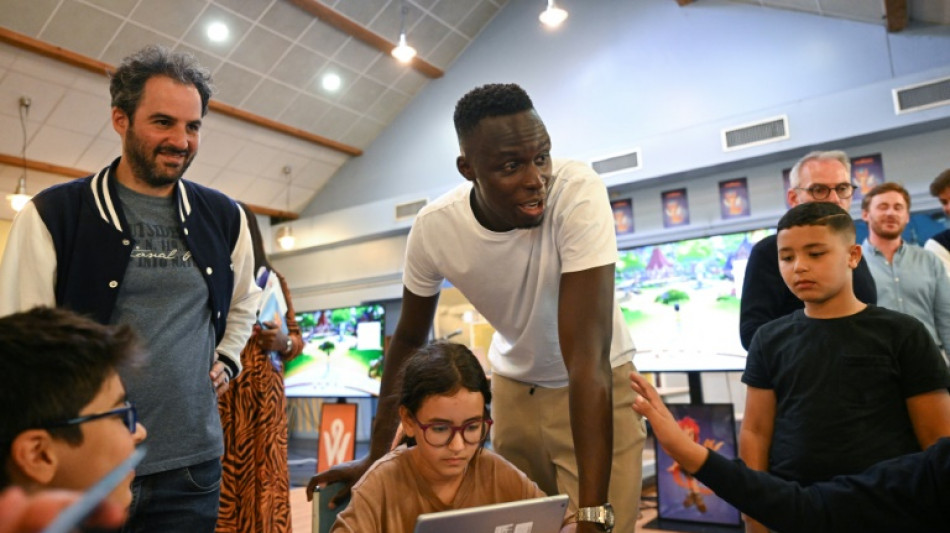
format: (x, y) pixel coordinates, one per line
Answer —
(127, 412)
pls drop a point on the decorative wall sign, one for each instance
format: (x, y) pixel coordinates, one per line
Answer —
(680, 496)
(623, 216)
(675, 207)
(734, 198)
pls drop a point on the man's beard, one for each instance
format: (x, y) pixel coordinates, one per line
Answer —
(147, 170)
(885, 233)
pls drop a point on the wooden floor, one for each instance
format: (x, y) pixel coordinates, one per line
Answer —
(300, 511)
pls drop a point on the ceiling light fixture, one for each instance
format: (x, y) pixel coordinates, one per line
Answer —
(285, 238)
(331, 82)
(285, 235)
(218, 32)
(553, 16)
(403, 52)
(19, 198)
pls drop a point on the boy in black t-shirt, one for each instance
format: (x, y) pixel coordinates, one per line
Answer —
(840, 385)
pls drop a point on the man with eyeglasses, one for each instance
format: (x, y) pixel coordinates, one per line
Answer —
(909, 279)
(67, 422)
(817, 177)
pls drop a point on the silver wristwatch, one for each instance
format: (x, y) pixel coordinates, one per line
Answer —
(603, 515)
(290, 346)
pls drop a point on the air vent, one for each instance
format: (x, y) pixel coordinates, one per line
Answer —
(617, 163)
(746, 135)
(922, 96)
(409, 209)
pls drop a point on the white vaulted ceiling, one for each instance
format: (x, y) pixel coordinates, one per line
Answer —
(270, 67)
(873, 11)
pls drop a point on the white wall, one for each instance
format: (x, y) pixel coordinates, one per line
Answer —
(623, 74)
(341, 267)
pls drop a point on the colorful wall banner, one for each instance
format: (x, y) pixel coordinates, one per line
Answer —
(867, 172)
(734, 198)
(623, 216)
(675, 207)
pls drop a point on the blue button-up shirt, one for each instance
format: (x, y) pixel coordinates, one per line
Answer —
(915, 283)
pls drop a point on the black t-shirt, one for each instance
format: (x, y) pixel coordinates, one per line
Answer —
(841, 387)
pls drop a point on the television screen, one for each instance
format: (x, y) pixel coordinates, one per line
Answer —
(684, 295)
(342, 355)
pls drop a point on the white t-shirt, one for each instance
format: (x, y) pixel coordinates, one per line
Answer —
(937, 248)
(513, 277)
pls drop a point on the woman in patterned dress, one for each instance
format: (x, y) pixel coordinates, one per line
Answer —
(255, 485)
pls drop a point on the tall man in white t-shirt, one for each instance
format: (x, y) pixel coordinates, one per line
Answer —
(530, 242)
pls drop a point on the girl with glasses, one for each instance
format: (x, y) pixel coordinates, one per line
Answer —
(441, 463)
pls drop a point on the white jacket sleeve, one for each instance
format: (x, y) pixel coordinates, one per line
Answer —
(28, 267)
(244, 298)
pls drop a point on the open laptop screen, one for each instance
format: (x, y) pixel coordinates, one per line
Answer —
(538, 515)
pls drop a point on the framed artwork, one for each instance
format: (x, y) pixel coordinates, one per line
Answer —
(734, 198)
(337, 441)
(679, 495)
(786, 185)
(675, 207)
(623, 216)
(867, 172)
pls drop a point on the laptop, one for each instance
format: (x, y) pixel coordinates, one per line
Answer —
(538, 515)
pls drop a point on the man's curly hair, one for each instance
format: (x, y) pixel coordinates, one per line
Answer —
(492, 100)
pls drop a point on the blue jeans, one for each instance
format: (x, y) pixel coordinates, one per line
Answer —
(181, 500)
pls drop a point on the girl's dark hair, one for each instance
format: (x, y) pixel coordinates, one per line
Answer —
(440, 369)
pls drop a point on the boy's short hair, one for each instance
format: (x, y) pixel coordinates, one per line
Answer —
(53, 362)
(940, 183)
(888, 186)
(819, 214)
(492, 100)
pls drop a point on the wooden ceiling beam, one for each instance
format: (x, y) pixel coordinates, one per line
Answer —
(70, 172)
(684, 2)
(57, 53)
(356, 30)
(896, 15)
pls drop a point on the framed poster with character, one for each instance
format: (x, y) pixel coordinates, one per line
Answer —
(623, 216)
(680, 496)
(675, 208)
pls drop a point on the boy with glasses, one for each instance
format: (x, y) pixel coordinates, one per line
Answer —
(67, 421)
(840, 385)
(817, 177)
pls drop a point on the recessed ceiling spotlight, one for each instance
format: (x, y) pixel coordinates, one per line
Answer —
(331, 82)
(218, 32)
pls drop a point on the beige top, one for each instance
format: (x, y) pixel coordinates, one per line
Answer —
(391, 495)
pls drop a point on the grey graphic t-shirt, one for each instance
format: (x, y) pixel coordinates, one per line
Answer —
(164, 296)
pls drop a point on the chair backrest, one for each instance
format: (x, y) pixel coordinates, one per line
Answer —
(323, 516)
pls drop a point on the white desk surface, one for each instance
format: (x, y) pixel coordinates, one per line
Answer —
(682, 361)
(332, 390)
